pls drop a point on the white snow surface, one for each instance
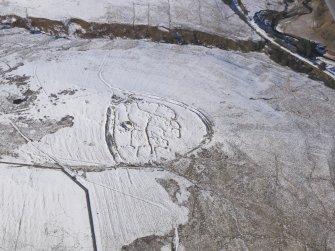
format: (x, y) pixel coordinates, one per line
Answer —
(131, 203)
(172, 83)
(212, 79)
(161, 128)
(211, 16)
(254, 6)
(56, 205)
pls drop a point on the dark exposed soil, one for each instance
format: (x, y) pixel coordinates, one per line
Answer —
(236, 205)
(83, 29)
(152, 243)
(318, 24)
(16, 105)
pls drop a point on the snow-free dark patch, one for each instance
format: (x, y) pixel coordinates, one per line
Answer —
(19, 101)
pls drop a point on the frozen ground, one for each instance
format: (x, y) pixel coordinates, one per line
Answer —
(42, 209)
(171, 147)
(211, 16)
(133, 203)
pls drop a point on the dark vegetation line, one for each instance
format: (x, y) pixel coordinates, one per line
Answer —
(89, 30)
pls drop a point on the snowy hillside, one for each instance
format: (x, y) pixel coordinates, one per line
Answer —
(119, 144)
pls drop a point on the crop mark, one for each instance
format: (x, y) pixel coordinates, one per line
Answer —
(39, 82)
(108, 137)
(20, 225)
(148, 137)
(151, 113)
(131, 196)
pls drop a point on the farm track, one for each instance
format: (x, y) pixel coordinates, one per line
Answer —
(67, 171)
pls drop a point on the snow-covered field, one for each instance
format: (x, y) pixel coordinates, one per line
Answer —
(254, 6)
(134, 145)
(211, 16)
(42, 210)
(136, 112)
(133, 203)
